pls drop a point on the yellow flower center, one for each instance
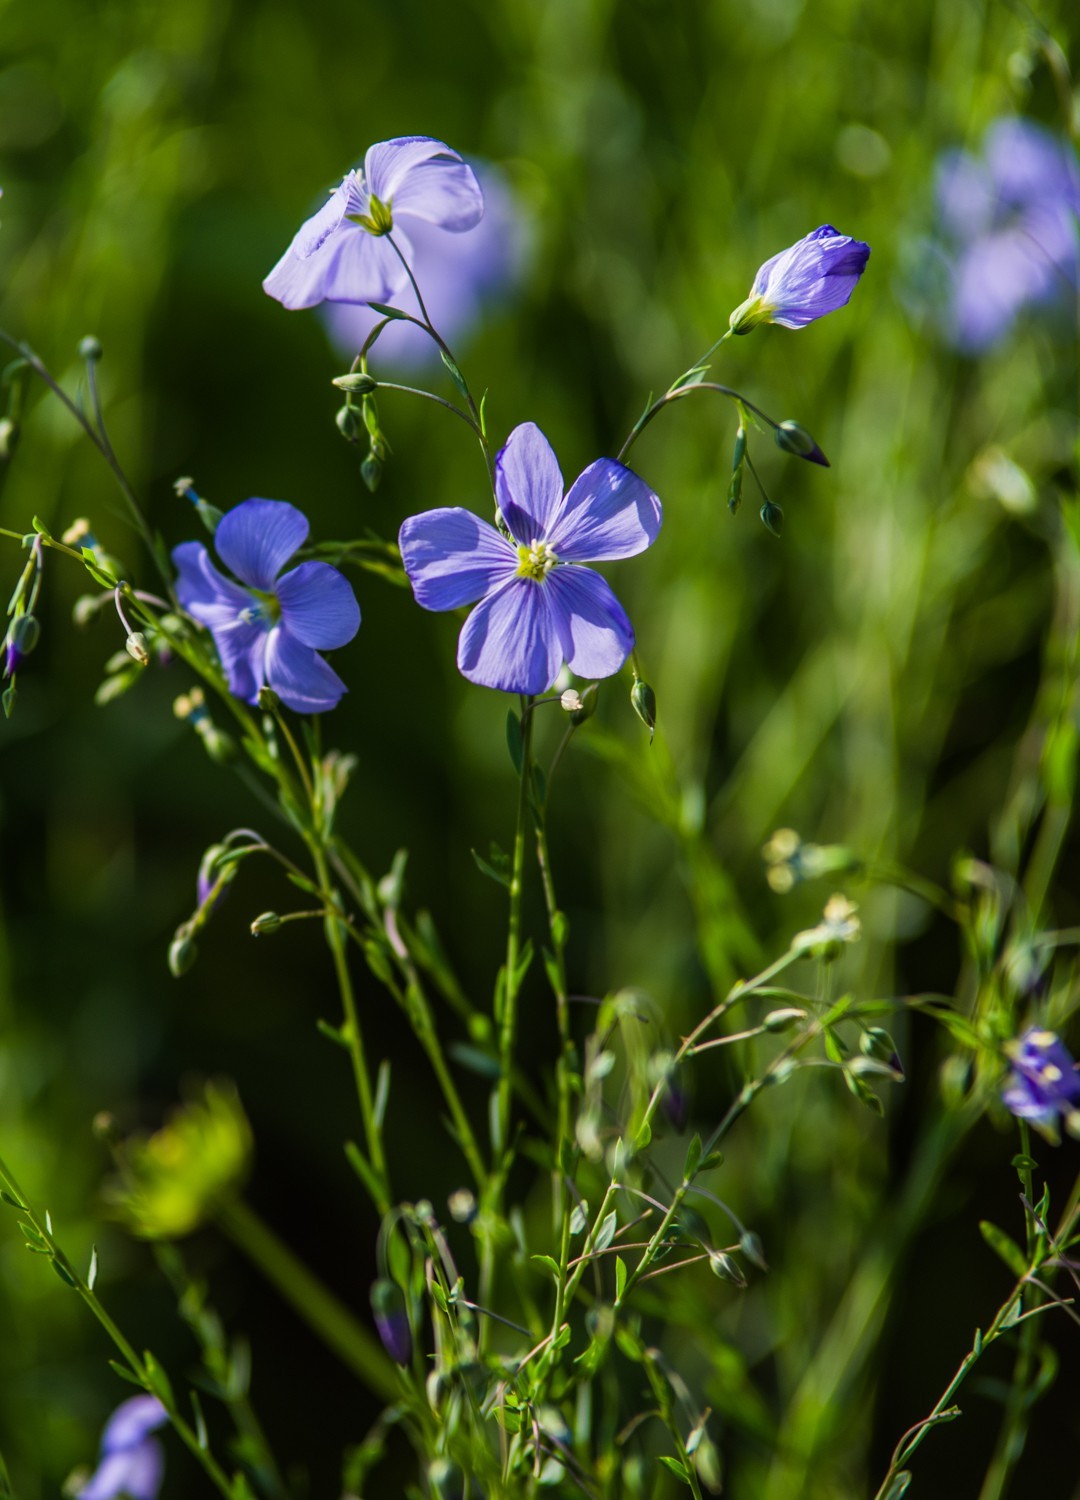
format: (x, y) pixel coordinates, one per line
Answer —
(535, 561)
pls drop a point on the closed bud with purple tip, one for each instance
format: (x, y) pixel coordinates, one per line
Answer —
(813, 277)
(797, 441)
(392, 1320)
(23, 635)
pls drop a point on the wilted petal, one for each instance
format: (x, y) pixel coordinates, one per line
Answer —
(418, 175)
(609, 512)
(132, 1472)
(595, 635)
(300, 677)
(528, 484)
(453, 558)
(257, 538)
(511, 640)
(318, 605)
(132, 1421)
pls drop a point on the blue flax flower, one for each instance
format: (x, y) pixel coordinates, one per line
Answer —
(537, 607)
(813, 277)
(131, 1462)
(341, 253)
(269, 630)
(1011, 215)
(1044, 1081)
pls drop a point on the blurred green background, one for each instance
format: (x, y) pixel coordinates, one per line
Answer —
(867, 679)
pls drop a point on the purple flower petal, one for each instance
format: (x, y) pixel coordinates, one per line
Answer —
(256, 539)
(454, 558)
(813, 277)
(131, 1422)
(201, 588)
(511, 640)
(318, 605)
(132, 1472)
(528, 484)
(301, 678)
(595, 635)
(418, 175)
(609, 512)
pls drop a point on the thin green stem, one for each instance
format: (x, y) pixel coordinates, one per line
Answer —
(506, 1013)
(410, 390)
(677, 394)
(338, 1328)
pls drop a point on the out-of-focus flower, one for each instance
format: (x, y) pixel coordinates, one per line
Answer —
(392, 1320)
(838, 927)
(790, 861)
(537, 607)
(131, 1463)
(1044, 1081)
(813, 277)
(269, 632)
(1010, 217)
(460, 278)
(173, 1180)
(341, 253)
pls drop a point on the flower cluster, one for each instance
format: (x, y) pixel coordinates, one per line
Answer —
(131, 1462)
(1010, 217)
(538, 608)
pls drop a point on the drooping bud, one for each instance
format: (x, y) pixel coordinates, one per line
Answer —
(392, 1320)
(772, 517)
(348, 423)
(265, 924)
(726, 1268)
(182, 952)
(90, 349)
(371, 471)
(794, 439)
(643, 702)
(137, 648)
(876, 1043)
(356, 383)
(734, 498)
(23, 634)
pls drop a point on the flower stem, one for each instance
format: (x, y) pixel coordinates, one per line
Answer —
(354, 1345)
(676, 394)
(506, 1014)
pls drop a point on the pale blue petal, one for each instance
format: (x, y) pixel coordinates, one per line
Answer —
(132, 1421)
(318, 605)
(201, 588)
(346, 264)
(595, 635)
(133, 1472)
(813, 277)
(609, 512)
(453, 558)
(511, 640)
(257, 537)
(420, 176)
(299, 676)
(528, 484)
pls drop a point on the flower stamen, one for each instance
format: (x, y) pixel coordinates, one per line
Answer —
(535, 561)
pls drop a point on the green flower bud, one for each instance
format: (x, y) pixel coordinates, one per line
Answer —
(371, 471)
(772, 517)
(734, 493)
(208, 514)
(643, 702)
(796, 440)
(267, 923)
(90, 349)
(348, 423)
(182, 952)
(24, 633)
(357, 382)
(9, 437)
(137, 648)
(727, 1269)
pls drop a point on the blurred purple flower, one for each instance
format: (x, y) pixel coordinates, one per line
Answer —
(459, 279)
(536, 608)
(271, 630)
(131, 1462)
(1044, 1081)
(392, 1320)
(1010, 216)
(813, 277)
(341, 254)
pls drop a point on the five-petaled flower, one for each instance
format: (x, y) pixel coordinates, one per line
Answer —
(813, 277)
(1012, 217)
(1044, 1081)
(131, 1462)
(538, 608)
(341, 254)
(269, 632)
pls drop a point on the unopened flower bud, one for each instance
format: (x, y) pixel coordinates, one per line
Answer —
(643, 702)
(348, 423)
(356, 383)
(727, 1269)
(371, 471)
(209, 515)
(90, 349)
(751, 1246)
(267, 923)
(462, 1206)
(734, 493)
(9, 437)
(137, 648)
(182, 952)
(586, 704)
(7, 700)
(24, 632)
(783, 1019)
(796, 440)
(772, 517)
(876, 1043)
(392, 1320)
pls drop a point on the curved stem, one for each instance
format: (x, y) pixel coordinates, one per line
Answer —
(677, 394)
